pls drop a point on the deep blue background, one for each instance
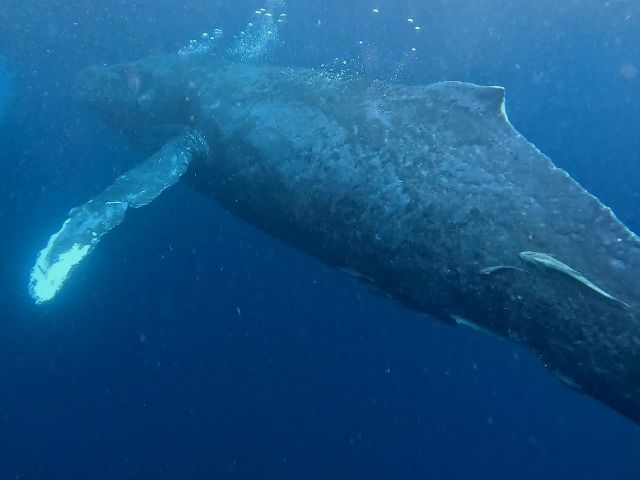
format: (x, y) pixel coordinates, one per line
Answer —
(192, 346)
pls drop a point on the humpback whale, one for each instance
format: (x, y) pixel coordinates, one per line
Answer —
(426, 192)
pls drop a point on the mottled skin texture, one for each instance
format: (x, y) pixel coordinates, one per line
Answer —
(414, 188)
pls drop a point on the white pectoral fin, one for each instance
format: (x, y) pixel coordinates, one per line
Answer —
(68, 246)
(87, 224)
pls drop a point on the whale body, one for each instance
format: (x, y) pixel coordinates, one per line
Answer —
(428, 193)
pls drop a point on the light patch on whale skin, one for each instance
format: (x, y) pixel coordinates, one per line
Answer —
(497, 268)
(472, 325)
(503, 111)
(357, 275)
(567, 381)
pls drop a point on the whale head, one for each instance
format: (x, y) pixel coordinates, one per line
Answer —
(147, 100)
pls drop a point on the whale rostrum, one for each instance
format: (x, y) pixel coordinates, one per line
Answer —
(428, 192)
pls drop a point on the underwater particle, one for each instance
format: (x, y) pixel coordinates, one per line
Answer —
(413, 49)
(375, 10)
(205, 35)
(258, 12)
(410, 20)
(417, 28)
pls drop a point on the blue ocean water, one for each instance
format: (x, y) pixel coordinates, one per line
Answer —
(190, 345)
(6, 86)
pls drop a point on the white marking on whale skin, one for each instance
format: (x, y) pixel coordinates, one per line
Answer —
(551, 263)
(374, 113)
(472, 325)
(357, 275)
(503, 111)
(52, 269)
(567, 380)
(498, 268)
(617, 264)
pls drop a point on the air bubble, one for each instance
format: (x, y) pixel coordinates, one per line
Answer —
(206, 44)
(260, 37)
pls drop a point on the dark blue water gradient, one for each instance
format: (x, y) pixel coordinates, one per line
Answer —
(192, 346)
